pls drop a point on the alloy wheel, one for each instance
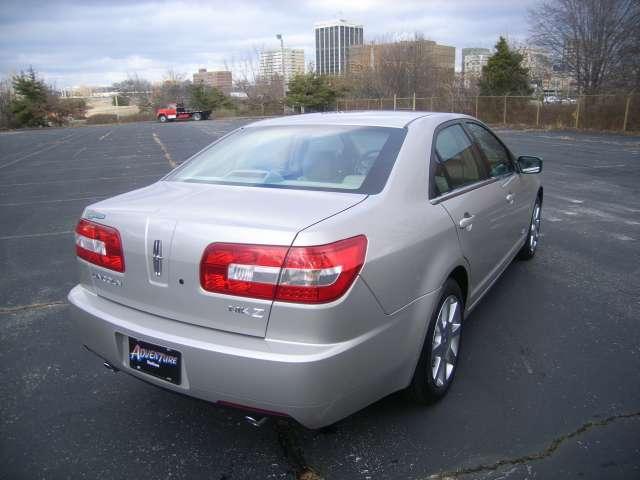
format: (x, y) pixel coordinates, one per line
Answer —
(534, 230)
(446, 340)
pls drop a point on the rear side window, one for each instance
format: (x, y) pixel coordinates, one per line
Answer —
(456, 165)
(494, 152)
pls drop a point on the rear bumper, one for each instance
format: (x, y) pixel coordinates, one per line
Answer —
(316, 384)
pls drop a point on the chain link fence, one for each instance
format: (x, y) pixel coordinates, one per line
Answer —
(590, 112)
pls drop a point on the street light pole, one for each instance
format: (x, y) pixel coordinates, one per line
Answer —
(284, 83)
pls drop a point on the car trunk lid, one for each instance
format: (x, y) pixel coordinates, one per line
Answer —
(166, 227)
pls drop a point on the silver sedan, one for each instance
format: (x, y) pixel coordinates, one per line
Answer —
(309, 265)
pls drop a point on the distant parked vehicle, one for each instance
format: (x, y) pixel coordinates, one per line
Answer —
(178, 112)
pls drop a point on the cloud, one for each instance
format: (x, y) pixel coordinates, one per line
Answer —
(98, 42)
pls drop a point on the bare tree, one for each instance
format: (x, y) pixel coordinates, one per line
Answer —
(261, 91)
(174, 88)
(597, 41)
(136, 88)
(6, 95)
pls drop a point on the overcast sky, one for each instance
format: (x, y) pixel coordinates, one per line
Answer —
(97, 42)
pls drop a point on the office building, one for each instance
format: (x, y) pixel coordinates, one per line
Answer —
(538, 61)
(220, 79)
(271, 63)
(473, 59)
(428, 53)
(333, 40)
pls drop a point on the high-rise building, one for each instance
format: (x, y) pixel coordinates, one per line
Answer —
(333, 40)
(271, 63)
(473, 59)
(221, 79)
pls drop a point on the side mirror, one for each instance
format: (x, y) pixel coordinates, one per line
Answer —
(529, 164)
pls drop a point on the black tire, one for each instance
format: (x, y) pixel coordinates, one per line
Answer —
(162, 118)
(197, 116)
(530, 247)
(423, 388)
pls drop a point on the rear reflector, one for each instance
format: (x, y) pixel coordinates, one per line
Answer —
(251, 409)
(315, 274)
(100, 245)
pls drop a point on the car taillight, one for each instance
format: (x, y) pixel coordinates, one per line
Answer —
(243, 270)
(315, 274)
(100, 245)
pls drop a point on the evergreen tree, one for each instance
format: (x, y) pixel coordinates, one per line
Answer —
(30, 104)
(311, 91)
(504, 74)
(203, 97)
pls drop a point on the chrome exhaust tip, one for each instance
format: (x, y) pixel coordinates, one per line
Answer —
(110, 367)
(256, 423)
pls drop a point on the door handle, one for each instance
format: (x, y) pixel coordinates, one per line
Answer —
(466, 222)
(510, 197)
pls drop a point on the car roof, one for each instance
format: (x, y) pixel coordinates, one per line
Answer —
(376, 118)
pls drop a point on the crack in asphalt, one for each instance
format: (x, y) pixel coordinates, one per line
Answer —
(547, 452)
(36, 235)
(293, 452)
(33, 306)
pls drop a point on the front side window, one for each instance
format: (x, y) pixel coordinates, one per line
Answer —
(327, 157)
(496, 155)
(456, 165)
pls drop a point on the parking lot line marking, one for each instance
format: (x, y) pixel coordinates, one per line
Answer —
(527, 366)
(79, 152)
(105, 135)
(28, 155)
(93, 179)
(35, 202)
(111, 165)
(55, 144)
(167, 155)
(615, 165)
(35, 235)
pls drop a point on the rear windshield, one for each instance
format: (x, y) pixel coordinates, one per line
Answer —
(333, 158)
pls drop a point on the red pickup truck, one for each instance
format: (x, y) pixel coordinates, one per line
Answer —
(180, 113)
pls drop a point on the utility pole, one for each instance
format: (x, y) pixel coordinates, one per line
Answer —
(284, 83)
(626, 113)
(504, 111)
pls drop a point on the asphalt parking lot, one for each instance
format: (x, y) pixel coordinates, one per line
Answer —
(549, 380)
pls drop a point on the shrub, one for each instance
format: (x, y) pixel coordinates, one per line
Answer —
(102, 118)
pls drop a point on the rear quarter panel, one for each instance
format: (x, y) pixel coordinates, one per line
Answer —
(412, 244)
